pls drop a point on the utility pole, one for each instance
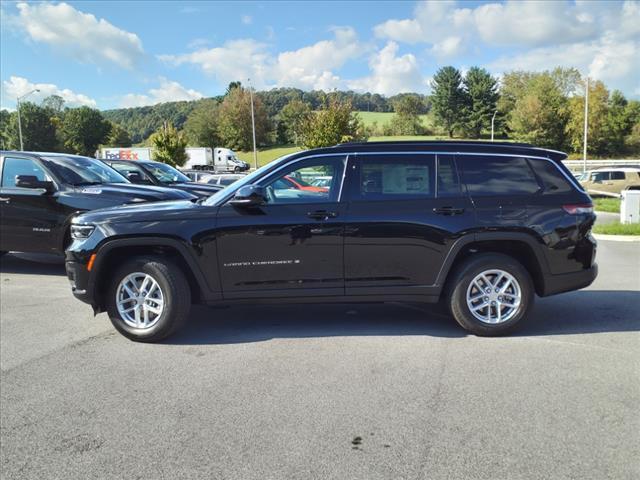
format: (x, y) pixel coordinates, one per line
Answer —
(492, 121)
(19, 120)
(586, 126)
(253, 127)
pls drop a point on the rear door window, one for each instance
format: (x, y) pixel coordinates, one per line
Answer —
(617, 175)
(448, 182)
(394, 177)
(488, 176)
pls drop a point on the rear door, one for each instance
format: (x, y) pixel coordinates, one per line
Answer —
(29, 217)
(292, 245)
(404, 213)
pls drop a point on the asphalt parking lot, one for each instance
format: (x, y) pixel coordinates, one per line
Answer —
(339, 392)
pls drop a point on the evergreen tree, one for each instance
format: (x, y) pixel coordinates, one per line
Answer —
(448, 99)
(481, 100)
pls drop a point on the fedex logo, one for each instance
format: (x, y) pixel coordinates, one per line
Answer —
(122, 155)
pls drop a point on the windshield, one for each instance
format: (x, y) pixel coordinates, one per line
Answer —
(247, 180)
(83, 171)
(166, 173)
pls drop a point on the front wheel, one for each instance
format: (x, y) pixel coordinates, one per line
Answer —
(490, 293)
(148, 299)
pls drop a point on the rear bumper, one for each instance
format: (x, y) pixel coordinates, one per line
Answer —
(567, 282)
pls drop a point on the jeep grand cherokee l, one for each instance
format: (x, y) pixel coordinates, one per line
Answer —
(484, 227)
(41, 192)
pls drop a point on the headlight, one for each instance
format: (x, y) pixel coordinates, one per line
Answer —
(80, 232)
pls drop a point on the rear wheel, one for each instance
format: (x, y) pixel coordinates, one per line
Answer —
(490, 294)
(148, 299)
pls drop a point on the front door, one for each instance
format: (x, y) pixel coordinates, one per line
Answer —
(291, 245)
(404, 213)
(29, 217)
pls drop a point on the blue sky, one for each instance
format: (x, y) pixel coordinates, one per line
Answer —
(118, 54)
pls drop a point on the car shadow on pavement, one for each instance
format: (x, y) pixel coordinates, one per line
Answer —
(244, 324)
(582, 312)
(32, 264)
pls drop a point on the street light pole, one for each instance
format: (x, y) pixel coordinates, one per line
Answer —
(253, 127)
(19, 120)
(492, 121)
(586, 127)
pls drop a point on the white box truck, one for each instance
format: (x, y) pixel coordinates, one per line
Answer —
(120, 153)
(216, 159)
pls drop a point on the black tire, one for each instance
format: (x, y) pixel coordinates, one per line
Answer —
(236, 170)
(175, 290)
(456, 296)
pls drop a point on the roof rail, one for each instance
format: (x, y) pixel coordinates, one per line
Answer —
(437, 142)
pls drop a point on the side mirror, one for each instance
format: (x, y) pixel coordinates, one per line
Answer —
(134, 177)
(31, 181)
(249, 196)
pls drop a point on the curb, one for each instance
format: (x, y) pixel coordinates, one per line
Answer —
(616, 238)
(606, 214)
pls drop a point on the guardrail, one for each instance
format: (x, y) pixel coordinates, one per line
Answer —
(593, 164)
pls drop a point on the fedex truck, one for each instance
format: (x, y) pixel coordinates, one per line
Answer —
(120, 153)
(216, 159)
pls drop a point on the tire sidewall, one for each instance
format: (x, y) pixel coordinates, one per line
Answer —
(159, 274)
(458, 299)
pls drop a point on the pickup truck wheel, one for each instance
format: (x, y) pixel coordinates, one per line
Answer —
(149, 299)
(490, 293)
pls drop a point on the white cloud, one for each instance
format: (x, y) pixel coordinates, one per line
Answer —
(168, 91)
(246, 19)
(17, 86)
(77, 34)
(599, 38)
(309, 67)
(390, 73)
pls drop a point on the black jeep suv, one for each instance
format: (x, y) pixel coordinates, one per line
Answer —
(41, 192)
(482, 226)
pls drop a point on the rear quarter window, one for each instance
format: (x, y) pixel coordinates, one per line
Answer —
(488, 176)
(552, 179)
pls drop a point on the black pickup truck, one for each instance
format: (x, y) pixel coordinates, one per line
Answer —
(41, 192)
(482, 227)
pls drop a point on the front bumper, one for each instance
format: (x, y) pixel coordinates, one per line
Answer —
(567, 282)
(79, 278)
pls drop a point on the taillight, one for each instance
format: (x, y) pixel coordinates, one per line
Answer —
(576, 209)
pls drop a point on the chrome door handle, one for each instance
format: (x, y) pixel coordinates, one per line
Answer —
(322, 215)
(5, 199)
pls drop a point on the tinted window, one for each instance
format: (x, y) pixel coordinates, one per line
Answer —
(293, 185)
(448, 181)
(551, 177)
(396, 177)
(126, 168)
(599, 176)
(166, 173)
(617, 175)
(486, 175)
(20, 166)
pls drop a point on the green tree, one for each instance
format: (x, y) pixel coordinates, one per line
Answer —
(292, 118)
(201, 126)
(234, 125)
(335, 123)
(539, 115)
(599, 133)
(170, 146)
(55, 103)
(448, 99)
(5, 132)
(118, 136)
(232, 86)
(38, 129)
(406, 120)
(83, 129)
(481, 100)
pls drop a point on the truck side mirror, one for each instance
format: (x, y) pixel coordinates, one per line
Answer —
(249, 196)
(134, 177)
(31, 181)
